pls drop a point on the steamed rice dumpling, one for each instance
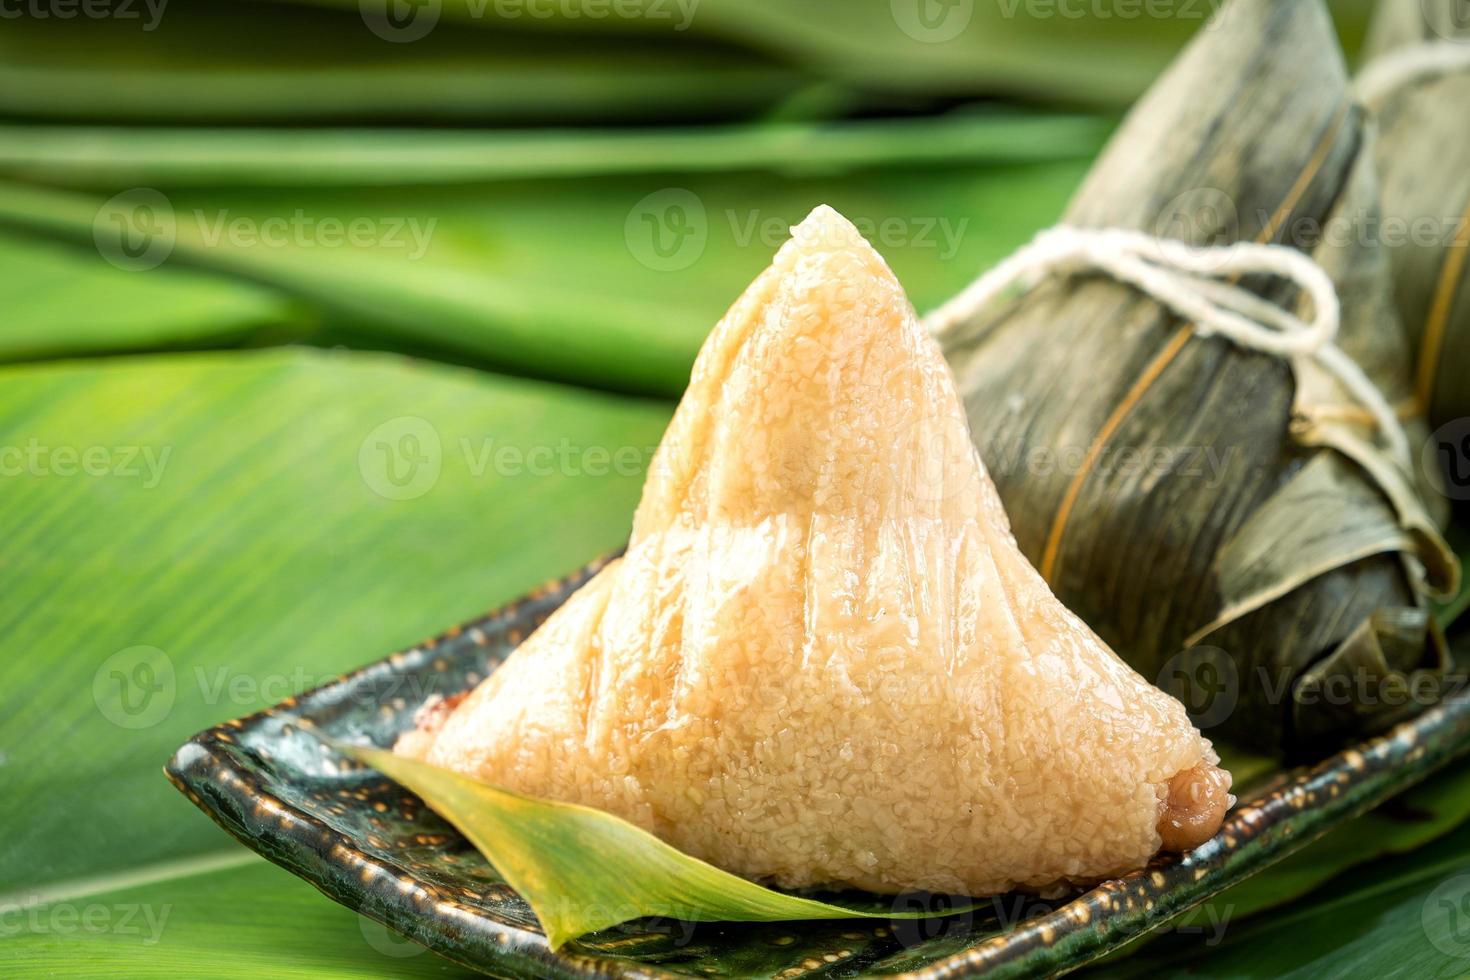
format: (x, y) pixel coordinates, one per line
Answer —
(1418, 97)
(1231, 521)
(822, 659)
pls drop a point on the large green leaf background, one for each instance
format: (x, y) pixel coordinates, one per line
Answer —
(236, 539)
(231, 474)
(561, 278)
(49, 313)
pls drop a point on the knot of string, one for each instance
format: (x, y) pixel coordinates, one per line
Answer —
(1192, 282)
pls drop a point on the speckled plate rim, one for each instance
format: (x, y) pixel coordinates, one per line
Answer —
(1294, 809)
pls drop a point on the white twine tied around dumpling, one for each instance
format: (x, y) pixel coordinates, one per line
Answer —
(1410, 65)
(1189, 280)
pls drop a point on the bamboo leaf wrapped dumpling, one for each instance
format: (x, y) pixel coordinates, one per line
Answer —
(1416, 82)
(1226, 519)
(822, 659)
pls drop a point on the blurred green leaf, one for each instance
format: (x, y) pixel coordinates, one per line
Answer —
(116, 157)
(217, 917)
(499, 61)
(1424, 813)
(1401, 918)
(1101, 54)
(60, 302)
(568, 279)
(1450, 613)
(193, 537)
(221, 62)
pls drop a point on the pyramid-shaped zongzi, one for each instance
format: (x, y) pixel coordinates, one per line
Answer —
(823, 660)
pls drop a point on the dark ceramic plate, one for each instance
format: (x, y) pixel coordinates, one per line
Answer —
(375, 848)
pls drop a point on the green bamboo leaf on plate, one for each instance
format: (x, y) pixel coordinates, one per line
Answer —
(582, 870)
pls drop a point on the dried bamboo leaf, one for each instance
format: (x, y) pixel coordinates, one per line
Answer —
(1296, 536)
(1423, 157)
(1250, 136)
